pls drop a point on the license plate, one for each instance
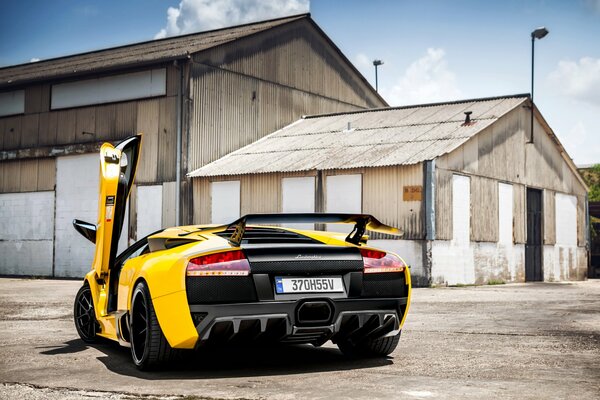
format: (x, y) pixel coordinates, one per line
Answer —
(321, 284)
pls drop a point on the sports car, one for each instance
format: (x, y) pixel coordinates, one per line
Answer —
(257, 279)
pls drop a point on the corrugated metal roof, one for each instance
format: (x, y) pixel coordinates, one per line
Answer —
(377, 138)
(134, 54)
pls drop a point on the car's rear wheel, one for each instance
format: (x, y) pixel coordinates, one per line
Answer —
(149, 347)
(84, 315)
(379, 347)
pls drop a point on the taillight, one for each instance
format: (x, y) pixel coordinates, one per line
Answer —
(228, 263)
(379, 261)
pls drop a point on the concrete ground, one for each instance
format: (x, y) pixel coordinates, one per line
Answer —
(525, 341)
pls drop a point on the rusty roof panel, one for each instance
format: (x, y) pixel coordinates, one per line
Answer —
(381, 137)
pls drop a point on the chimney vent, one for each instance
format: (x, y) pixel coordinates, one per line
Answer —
(467, 118)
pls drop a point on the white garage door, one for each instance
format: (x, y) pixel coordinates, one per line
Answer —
(225, 201)
(149, 209)
(76, 197)
(298, 196)
(344, 195)
(26, 233)
(566, 220)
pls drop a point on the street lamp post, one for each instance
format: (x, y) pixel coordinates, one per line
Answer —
(539, 33)
(377, 63)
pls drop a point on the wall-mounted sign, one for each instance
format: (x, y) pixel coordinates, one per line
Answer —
(412, 193)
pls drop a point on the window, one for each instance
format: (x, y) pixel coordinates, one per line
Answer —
(12, 103)
(505, 214)
(344, 195)
(225, 201)
(109, 89)
(566, 219)
(298, 196)
(149, 209)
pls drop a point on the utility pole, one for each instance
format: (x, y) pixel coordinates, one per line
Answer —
(539, 33)
(377, 63)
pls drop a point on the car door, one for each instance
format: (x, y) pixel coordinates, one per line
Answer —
(117, 172)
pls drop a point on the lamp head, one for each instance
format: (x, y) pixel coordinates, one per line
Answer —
(377, 62)
(539, 33)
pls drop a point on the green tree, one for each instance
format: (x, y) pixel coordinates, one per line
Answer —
(594, 183)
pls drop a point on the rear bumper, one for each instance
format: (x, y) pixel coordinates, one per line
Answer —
(286, 321)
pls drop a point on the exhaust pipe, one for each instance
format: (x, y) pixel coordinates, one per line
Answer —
(314, 312)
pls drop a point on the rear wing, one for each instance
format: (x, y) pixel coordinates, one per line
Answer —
(362, 223)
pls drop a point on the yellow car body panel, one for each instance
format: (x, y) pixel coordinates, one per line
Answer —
(164, 273)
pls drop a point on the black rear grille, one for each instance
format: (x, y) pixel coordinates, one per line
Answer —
(308, 267)
(255, 235)
(304, 260)
(220, 289)
(384, 285)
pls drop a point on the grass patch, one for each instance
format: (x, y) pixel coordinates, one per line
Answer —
(496, 282)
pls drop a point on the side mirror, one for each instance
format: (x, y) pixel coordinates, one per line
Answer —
(86, 230)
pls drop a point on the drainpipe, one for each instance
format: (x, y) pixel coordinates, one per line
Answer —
(178, 147)
(429, 216)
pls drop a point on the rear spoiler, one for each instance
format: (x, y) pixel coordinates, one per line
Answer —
(362, 223)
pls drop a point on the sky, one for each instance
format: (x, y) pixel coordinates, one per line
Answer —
(433, 50)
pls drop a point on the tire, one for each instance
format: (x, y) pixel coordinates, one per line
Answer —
(380, 347)
(149, 347)
(84, 315)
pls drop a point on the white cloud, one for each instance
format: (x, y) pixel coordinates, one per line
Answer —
(362, 61)
(426, 80)
(580, 145)
(34, 59)
(202, 15)
(364, 64)
(579, 80)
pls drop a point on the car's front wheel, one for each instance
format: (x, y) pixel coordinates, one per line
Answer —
(84, 315)
(379, 347)
(149, 347)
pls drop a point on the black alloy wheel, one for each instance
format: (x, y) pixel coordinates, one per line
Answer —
(149, 347)
(139, 324)
(84, 315)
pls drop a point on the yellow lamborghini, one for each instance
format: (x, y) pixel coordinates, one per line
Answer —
(250, 280)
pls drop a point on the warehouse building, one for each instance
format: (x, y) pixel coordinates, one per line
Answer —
(480, 198)
(195, 98)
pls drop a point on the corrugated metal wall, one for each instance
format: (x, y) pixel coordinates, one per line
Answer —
(294, 55)
(443, 205)
(250, 88)
(27, 175)
(519, 213)
(41, 127)
(549, 217)
(581, 221)
(500, 153)
(230, 111)
(260, 194)
(168, 204)
(381, 196)
(484, 209)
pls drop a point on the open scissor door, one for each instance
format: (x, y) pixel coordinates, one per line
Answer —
(117, 173)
